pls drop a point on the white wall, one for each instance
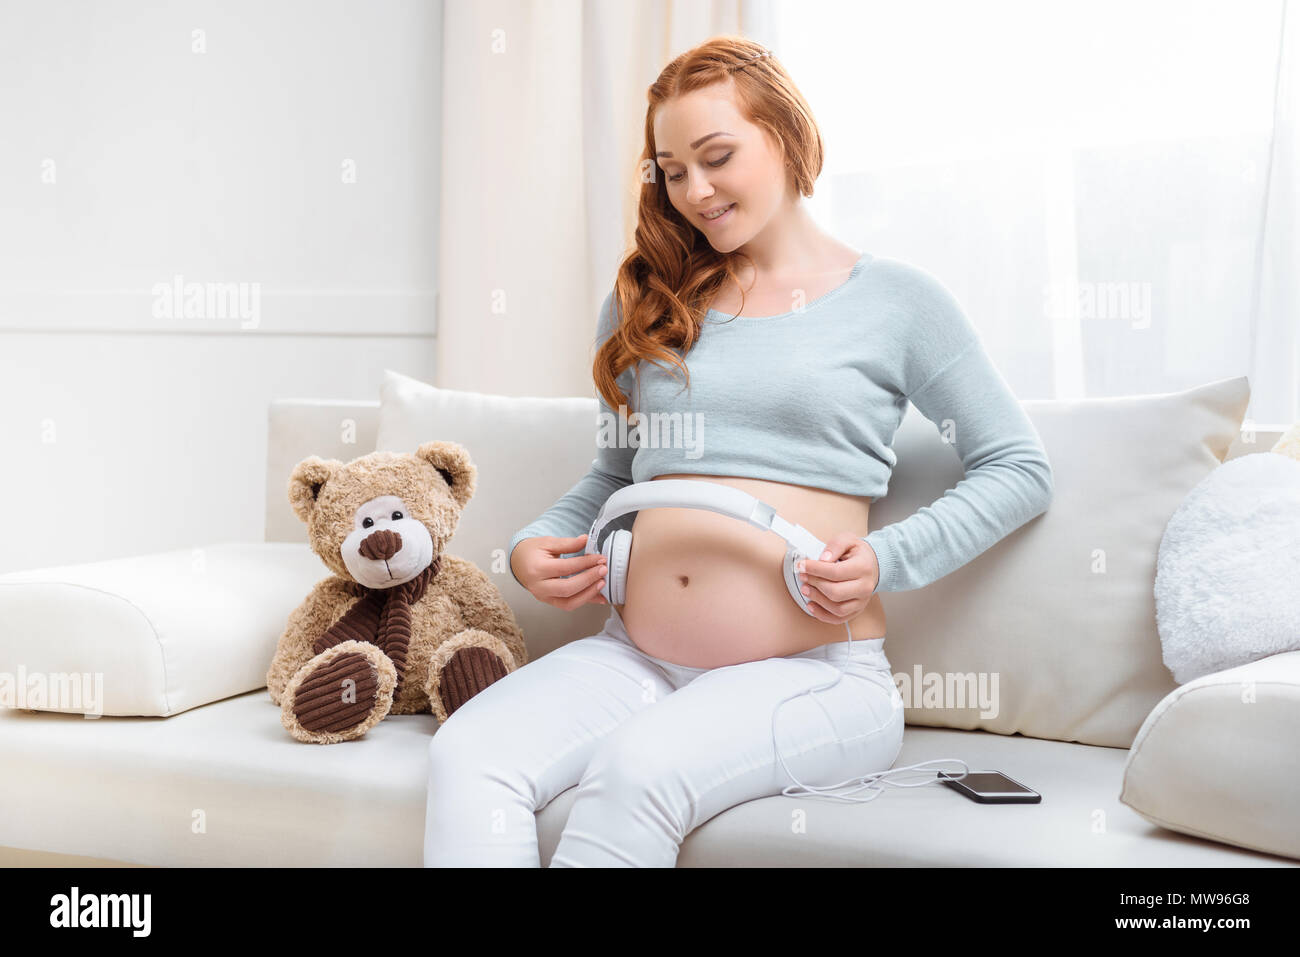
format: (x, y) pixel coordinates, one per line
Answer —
(290, 147)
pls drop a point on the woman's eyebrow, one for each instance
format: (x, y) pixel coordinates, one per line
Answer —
(696, 144)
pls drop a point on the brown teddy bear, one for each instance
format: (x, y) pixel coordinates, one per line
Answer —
(400, 627)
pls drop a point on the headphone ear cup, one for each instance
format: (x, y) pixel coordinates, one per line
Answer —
(617, 549)
(791, 570)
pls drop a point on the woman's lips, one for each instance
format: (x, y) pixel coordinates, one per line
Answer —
(721, 219)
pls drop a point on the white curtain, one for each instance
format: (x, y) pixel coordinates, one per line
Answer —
(1109, 188)
(1275, 319)
(542, 122)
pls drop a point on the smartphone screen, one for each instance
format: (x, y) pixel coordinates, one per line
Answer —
(990, 787)
(991, 783)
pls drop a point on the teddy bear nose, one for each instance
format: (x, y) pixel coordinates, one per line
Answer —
(381, 545)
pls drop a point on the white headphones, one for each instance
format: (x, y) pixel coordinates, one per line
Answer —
(711, 496)
(725, 500)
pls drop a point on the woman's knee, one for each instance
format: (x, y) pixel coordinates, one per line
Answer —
(449, 748)
(473, 737)
(468, 764)
(488, 724)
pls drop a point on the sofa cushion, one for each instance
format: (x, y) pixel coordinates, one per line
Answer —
(1053, 629)
(1217, 757)
(266, 797)
(528, 452)
(151, 634)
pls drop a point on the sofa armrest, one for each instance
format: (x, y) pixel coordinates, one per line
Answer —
(1216, 758)
(150, 634)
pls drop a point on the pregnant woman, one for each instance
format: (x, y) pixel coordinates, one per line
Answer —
(791, 357)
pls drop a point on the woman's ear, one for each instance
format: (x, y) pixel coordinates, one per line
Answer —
(305, 484)
(454, 466)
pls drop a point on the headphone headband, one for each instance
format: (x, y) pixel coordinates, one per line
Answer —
(711, 496)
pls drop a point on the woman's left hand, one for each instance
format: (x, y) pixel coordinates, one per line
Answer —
(842, 581)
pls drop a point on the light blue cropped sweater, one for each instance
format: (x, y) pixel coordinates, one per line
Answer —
(813, 397)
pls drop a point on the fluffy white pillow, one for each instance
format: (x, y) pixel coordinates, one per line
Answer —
(1228, 572)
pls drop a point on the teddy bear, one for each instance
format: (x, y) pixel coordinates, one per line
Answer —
(400, 627)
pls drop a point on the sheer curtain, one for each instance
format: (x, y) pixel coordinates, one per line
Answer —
(543, 117)
(1109, 188)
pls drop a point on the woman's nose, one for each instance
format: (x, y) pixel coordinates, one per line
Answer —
(696, 197)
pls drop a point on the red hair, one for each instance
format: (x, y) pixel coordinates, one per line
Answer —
(664, 285)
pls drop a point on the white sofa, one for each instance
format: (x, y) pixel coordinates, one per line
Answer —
(222, 783)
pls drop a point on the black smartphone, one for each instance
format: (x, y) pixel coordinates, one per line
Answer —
(991, 787)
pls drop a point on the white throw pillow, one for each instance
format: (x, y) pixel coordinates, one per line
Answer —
(1052, 632)
(1228, 572)
(150, 634)
(528, 451)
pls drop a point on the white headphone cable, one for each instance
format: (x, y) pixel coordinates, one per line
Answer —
(877, 777)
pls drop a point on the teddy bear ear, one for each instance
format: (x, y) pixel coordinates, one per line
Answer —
(454, 465)
(308, 478)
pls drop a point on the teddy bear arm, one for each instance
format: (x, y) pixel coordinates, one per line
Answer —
(325, 604)
(482, 606)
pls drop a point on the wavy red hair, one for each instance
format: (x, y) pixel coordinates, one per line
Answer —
(665, 284)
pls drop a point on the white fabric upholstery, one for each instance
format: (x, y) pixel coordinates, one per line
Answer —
(262, 797)
(1217, 757)
(158, 634)
(1228, 573)
(267, 799)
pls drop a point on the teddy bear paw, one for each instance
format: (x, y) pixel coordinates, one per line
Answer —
(463, 666)
(340, 694)
(468, 672)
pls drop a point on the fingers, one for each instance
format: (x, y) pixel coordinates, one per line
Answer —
(829, 612)
(814, 594)
(586, 594)
(820, 613)
(590, 575)
(822, 596)
(829, 591)
(561, 567)
(591, 593)
(845, 563)
(827, 571)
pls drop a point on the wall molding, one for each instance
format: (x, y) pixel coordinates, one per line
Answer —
(222, 309)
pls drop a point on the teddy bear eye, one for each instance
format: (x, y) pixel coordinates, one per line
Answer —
(397, 516)
(367, 522)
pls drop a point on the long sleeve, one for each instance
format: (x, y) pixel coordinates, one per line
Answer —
(1008, 478)
(610, 471)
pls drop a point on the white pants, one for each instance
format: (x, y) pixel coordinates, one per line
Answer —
(655, 748)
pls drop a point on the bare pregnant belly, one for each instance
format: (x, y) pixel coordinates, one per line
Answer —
(705, 590)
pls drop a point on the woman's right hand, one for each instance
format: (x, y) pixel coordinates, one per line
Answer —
(537, 565)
